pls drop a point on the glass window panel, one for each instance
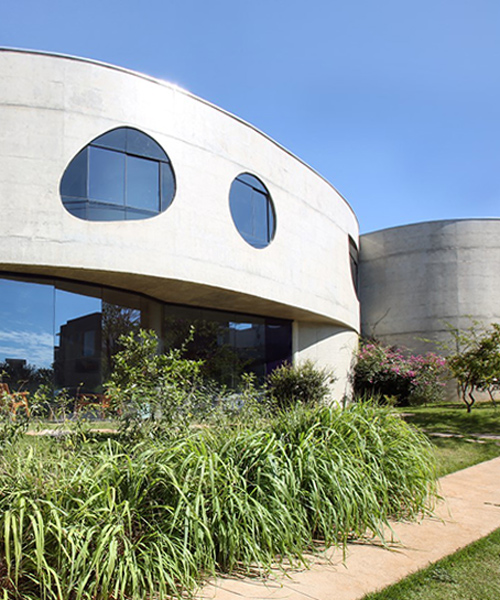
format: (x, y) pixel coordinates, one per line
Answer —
(260, 218)
(278, 343)
(271, 221)
(241, 208)
(133, 214)
(354, 263)
(143, 184)
(74, 181)
(26, 333)
(228, 343)
(116, 139)
(253, 182)
(106, 176)
(105, 212)
(78, 208)
(124, 168)
(167, 185)
(142, 145)
(252, 210)
(89, 343)
(117, 319)
(77, 323)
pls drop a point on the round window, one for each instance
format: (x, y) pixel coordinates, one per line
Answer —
(252, 210)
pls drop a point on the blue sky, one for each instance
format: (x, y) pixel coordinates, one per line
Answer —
(395, 102)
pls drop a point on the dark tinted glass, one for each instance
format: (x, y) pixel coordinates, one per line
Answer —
(167, 186)
(142, 145)
(104, 212)
(242, 208)
(116, 140)
(228, 343)
(252, 181)
(143, 183)
(77, 346)
(106, 176)
(354, 263)
(66, 334)
(252, 210)
(123, 174)
(74, 181)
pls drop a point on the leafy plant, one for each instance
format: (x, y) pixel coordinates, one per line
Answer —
(475, 363)
(387, 372)
(152, 390)
(303, 383)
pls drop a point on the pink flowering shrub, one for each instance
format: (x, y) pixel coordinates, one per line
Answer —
(389, 372)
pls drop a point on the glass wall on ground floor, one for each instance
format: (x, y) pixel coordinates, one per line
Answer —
(65, 334)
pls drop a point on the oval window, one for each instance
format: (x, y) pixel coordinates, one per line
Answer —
(252, 210)
(122, 175)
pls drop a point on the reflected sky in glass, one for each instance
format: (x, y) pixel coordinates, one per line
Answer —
(27, 322)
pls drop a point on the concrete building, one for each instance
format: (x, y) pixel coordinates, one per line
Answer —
(417, 278)
(135, 202)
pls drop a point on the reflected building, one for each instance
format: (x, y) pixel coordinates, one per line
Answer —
(78, 358)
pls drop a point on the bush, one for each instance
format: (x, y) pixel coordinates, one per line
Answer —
(149, 520)
(152, 391)
(304, 383)
(389, 374)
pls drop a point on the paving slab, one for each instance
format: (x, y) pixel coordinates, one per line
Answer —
(469, 510)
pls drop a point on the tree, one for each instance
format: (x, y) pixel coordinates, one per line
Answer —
(476, 362)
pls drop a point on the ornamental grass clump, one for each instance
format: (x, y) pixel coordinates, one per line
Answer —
(150, 520)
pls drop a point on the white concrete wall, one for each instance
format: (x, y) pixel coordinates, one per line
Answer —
(328, 347)
(417, 278)
(53, 106)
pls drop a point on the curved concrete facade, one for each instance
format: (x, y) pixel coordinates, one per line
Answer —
(416, 278)
(52, 106)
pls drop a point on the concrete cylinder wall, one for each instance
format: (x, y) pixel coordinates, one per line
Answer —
(53, 106)
(417, 278)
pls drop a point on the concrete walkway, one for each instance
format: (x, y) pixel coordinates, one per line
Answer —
(470, 509)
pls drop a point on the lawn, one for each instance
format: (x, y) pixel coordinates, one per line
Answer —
(472, 573)
(468, 442)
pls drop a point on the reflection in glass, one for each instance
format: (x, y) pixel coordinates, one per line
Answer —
(354, 263)
(77, 364)
(121, 175)
(26, 333)
(75, 176)
(143, 182)
(230, 344)
(106, 176)
(66, 334)
(252, 210)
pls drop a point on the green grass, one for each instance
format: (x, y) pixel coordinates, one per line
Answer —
(467, 448)
(472, 573)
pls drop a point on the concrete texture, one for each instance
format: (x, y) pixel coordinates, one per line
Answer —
(469, 510)
(416, 278)
(52, 106)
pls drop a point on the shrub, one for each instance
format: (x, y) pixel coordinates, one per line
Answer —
(152, 390)
(387, 372)
(149, 522)
(304, 383)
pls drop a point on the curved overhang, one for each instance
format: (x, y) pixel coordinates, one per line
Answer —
(53, 106)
